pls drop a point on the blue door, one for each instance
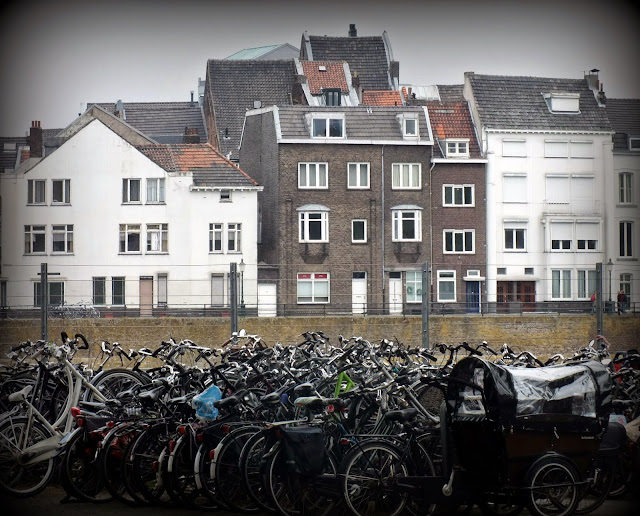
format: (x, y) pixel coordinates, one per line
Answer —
(473, 296)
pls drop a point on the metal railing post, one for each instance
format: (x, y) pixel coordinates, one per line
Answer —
(425, 305)
(599, 298)
(233, 294)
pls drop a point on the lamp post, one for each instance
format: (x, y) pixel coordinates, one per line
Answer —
(242, 266)
(609, 267)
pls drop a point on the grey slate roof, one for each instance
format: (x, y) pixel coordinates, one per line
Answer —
(515, 102)
(361, 122)
(366, 55)
(279, 51)
(624, 115)
(451, 92)
(165, 122)
(9, 158)
(235, 85)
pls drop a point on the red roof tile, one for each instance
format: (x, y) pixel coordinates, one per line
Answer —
(382, 98)
(453, 120)
(331, 77)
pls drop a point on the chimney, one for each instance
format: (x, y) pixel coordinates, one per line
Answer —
(353, 33)
(297, 92)
(355, 82)
(601, 97)
(191, 135)
(592, 79)
(394, 70)
(119, 110)
(36, 147)
(191, 103)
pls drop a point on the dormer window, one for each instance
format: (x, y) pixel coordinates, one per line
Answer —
(409, 124)
(634, 143)
(332, 96)
(563, 102)
(327, 126)
(457, 148)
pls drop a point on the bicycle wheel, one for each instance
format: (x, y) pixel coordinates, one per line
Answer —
(80, 474)
(112, 455)
(16, 435)
(112, 382)
(250, 465)
(295, 495)
(201, 466)
(369, 475)
(594, 495)
(551, 488)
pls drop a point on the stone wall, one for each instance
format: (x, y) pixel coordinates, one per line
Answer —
(541, 334)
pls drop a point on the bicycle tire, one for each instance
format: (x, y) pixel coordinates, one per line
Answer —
(542, 495)
(201, 467)
(112, 460)
(250, 462)
(113, 381)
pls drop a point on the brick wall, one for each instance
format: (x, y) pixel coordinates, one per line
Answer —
(542, 334)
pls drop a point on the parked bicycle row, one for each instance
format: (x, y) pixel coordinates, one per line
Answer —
(358, 427)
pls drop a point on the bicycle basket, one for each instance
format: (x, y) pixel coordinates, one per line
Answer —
(304, 449)
(203, 403)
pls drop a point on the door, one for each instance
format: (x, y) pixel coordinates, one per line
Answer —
(267, 300)
(217, 290)
(146, 296)
(395, 292)
(473, 296)
(359, 293)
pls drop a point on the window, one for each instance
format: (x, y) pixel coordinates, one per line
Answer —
(581, 149)
(312, 175)
(625, 285)
(410, 127)
(162, 289)
(313, 225)
(514, 188)
(155, 190)
(561, 284)
(557, 189)
(414, 286)
(556, 149)
(55, 295)
(514, 148)
(626, 239)
(586, 283)
(34, 239)
(515, 238)
(587, 236)
(457, 148)
(458, 195)
(406, 176)
(459, 241)
(225, 195)
(36, 191)
(529, 271)
(313, 287)
(407, 225)
(332, 96)
(561, 236)
(99, 291)
(446, 286)
(62, 238)
(117, 291)
(215, 238)
(9, 146)
(359, 231)
(61, 191)
(501, 270)
(327, 127)
(157, 238)
(625, 180)
(634, 143)
(233, 238)
(558, 102)
(358, 175)
(130, 238)
(130, 190)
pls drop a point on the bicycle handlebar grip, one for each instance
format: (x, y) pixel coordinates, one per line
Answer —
(21, 346)
(64, 336)
(81, 337)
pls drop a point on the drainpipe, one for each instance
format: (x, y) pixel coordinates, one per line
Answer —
(431, 225)
(382, 225)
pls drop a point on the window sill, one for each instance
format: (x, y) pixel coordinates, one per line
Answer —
(152, 203)
(414, 188)
(407, 241)
(514, 251)
(458, 205)
(313, 241)
(156, 253)
(626, 205)
(60, 204)
(61, 253)
(35, 254)
(137, 203)
(359, 243)
(37, 204)
(358, 188)
(129, 253)
(627, 259)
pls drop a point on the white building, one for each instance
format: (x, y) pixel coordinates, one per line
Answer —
(123, 222)
(549, 151)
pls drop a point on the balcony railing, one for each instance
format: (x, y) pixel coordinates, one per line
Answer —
(577, 207)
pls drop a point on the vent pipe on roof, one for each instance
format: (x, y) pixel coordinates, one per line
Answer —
(353, 33)
(119, 110)
(191, 103)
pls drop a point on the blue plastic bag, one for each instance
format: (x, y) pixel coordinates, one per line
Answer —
(203, 403)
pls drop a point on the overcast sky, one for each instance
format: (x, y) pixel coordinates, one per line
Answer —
(57, 55)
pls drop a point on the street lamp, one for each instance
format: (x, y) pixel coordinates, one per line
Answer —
(242, 266)
(609, 267)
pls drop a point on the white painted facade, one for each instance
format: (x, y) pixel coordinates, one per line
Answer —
(96, 160)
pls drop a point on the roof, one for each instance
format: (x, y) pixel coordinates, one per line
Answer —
(517, 103)
(234, 87)
(208, 167)
(624, 115)
(452, 120)
(165, 122)
(366, 55)
(283, 51)
(367, 124)
(450, 92)
(325, 74)
(9, 157)
(382, 98)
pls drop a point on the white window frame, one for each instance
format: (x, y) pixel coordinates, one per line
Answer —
(163, 289)
(66, 191)
(409, 179)
(156, 190)
(9, 146)
(125, 231)
(66, 231)
(459, 232)
(216, 235)
(462, 189)
(328, 119)
(157, 238)
(408, 134)
(127, 184)
(517, 150)
(315, 279)
(306, 218)
(575, 145)
(115, 298)
(353, 238)
(552, 149)
(515, 175)
(561, 283)
(625, 187)
(32, 190)
(626, 234)
(457, 147)
(398, 216)
(359, 166)
(634, 143)
(447, 276)
(99, 298)
(30, 233)
(514, 229)
(234, 237)
(586, 283)
(305, 175)
(413, 286)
